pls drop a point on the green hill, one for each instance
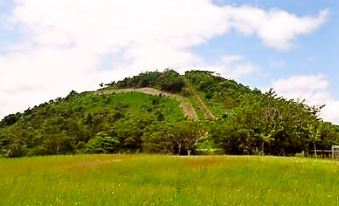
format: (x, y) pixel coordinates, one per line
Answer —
(165, 112)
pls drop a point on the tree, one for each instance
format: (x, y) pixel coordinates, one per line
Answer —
(315, 134)
(102, 143)
(186, 136)
(175, 138)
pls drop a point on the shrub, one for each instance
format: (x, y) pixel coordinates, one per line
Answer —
(102, 143)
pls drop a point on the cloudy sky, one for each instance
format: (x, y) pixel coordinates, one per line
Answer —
(49, 47)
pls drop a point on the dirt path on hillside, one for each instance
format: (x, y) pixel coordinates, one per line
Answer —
(203, 107)
(185, 105)
(207, 113)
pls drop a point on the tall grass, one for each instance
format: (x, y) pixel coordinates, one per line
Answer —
(168, 180)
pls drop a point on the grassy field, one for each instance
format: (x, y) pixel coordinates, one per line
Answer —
(168, 180)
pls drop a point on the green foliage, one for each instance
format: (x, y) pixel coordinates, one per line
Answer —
(102, 143)
(221, 95)
(15, 150)
(271, 125)
(248, 121)
(169, 81)
(178, 138)
(74, 124)
(10, 119)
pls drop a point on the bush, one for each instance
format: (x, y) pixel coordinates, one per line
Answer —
(15, 150)
(102, 143)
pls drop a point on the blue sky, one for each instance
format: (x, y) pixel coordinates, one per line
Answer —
(6, 37)
(314, 53)
(49, 47)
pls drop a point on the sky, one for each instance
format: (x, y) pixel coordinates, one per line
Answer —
(50, 47)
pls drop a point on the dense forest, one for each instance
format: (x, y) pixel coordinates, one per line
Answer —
(246, 121)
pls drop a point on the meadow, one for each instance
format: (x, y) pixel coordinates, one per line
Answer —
(168, 180)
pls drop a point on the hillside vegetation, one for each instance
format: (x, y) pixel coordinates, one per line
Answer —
(185, 105)
(165, 112)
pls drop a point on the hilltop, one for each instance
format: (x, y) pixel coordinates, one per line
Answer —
(165, 112)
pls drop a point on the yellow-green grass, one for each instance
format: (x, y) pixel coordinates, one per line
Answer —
(168, 180)
(196, 107)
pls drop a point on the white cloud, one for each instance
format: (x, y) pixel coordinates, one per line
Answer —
(232, 67)
(68, 44)
(276, 28)
(315, 89)
(104, 24)
(277, 64)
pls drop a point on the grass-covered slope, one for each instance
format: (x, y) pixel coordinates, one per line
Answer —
(165, 180)
(185, 104)
(219, 94)
(211, 96)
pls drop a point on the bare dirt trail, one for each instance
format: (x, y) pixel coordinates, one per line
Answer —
(185, 104)
(207, 113)
(203, 107)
